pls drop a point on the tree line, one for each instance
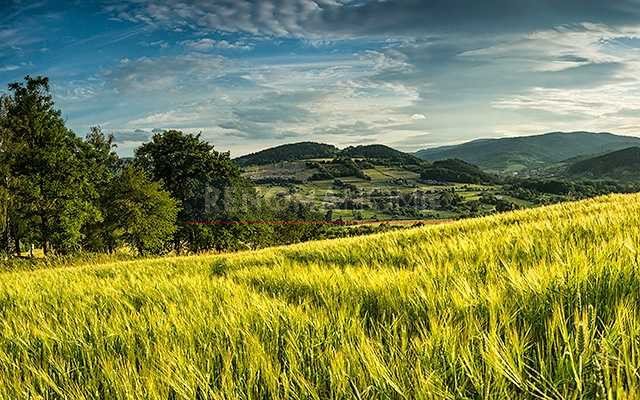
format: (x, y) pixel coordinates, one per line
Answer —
(67, 194)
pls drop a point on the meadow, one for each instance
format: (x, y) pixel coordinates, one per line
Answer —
(539, 303)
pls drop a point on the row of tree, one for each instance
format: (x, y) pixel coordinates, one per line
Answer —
(66, 194)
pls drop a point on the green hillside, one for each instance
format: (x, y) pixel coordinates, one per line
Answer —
(380, 153)
(530, 304)
(288, 152)
(516, 154)
(309, 150)
(619, 165)
(454, 170)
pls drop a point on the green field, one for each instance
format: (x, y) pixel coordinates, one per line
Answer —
(539, 303)
(394, 181)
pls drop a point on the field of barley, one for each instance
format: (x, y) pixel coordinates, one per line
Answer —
(538, 304)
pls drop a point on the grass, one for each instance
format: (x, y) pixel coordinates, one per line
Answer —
(539, 303)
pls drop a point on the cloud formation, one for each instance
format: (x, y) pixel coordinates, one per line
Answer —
(333, 18)
(254, 73)
(207, 44)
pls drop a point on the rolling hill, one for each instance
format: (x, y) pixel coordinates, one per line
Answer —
(618, 165)
(530, 304)
(311, 150)
(379, 152)
(289, 152)
(453, 170)
(516, 154)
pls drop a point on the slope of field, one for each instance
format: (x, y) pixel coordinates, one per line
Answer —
(532, 304)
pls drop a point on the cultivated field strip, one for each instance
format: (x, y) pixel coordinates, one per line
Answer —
(540, 303)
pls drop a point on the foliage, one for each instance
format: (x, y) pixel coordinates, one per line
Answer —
(576, 190)
(204, 181)
(380, 154)
(100, 158)
(340, 167)
(449, 200)
(532, 304)
(140, 212)
(52, 195)
(455, 171)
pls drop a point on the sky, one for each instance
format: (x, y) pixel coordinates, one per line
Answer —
(250, 74)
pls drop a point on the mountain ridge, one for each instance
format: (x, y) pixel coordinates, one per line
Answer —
(516, 154)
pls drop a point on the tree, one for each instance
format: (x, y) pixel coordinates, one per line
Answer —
(51, 191)
(100, 158)
(449, 200)
(140, 213)
(200, 178)
(5, 199)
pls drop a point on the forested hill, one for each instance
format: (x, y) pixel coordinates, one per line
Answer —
(454, 170)
(289, 152)
(617, 164)
(312, 150)
(380, 152)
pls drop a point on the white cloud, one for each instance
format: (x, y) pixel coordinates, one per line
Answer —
(282, 18)
(597, 102)
(312, 100)
(579, 75)
(207, 44)
(388, 61)
(169, 74)
(167, 119)
(8, 68)
(326, 19)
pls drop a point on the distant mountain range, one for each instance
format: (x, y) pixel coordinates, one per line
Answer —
(516, 154)
(578, 154)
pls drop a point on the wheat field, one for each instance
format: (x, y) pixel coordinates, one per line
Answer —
(538, 304)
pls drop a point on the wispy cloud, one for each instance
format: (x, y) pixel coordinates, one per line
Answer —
(7, 68)
(335, 18)
(207, 44)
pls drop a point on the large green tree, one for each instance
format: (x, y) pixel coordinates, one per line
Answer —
(48, 181)
(205, 182)
(99, 157)
(140, 213)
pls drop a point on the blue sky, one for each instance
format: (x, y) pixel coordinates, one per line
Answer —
(250, 74)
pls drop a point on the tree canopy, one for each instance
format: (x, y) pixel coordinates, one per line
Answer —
(55, 186)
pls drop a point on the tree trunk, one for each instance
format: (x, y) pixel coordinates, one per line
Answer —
(176, 245)
(6, 222)
(45, 236)
(6, 238)
(140, 249)
(16, 241)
